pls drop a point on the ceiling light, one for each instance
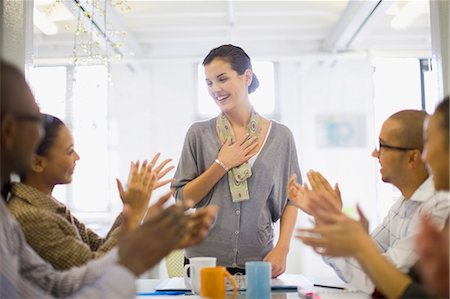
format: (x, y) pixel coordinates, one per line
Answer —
(61, 13)
(408, 13)
(43, 22)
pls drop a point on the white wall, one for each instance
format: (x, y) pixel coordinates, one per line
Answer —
(155, 106)
(344, 87)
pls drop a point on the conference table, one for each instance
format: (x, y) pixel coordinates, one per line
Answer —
(285, 287)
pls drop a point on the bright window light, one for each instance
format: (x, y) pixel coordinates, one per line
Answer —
(49, 88)
(86, 114)
(91, 139)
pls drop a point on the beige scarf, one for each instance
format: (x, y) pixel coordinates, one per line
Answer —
(237, 176)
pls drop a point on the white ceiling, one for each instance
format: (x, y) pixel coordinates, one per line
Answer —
(186, 29)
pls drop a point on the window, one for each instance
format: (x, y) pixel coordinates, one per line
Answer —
(263, 99)
(79, 96)
(49, 88)
(429, 85)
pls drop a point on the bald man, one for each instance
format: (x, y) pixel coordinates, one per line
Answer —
(23, 274)
(399, 154)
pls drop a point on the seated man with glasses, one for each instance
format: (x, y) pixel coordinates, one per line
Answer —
(400, 157)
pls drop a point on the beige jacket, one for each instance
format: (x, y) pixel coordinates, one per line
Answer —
(53, 232)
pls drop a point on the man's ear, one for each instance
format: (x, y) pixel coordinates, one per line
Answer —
(38, 163)
(8, 132)
(415, 158)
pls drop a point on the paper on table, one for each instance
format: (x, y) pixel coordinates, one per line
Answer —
(173, 284)
(335, 288)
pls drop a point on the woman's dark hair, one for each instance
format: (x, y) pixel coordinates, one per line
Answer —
(237, 58)
(443, 110)
(52, 124)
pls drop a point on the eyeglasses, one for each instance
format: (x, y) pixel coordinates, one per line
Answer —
(393, 147)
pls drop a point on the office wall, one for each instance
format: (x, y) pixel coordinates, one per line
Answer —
(336, 88)
(153, 108)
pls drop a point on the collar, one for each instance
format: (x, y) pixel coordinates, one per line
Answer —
(424, 192)
(35, 197)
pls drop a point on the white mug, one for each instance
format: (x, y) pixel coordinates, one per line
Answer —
(195, 265)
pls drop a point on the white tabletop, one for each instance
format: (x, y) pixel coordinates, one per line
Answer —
(146, 286)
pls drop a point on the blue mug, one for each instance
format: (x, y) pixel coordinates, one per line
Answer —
(258, 278)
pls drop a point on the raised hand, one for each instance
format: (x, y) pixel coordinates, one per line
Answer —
(296, 194)
(198, 226)
(319, 183)
(161, 171)
(335, 234)
(343, 238)
(232, 155)
(143, 247)
(141, 181)
(362, 218)
(322, 206)
(432, 246)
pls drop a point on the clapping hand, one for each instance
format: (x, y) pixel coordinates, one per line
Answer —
(142, 247)
(320, 184)
(141, 182)
(335, 234)
(160, 171)
(198, 226)
(296, 194)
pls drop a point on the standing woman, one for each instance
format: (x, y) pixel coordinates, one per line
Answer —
(240, 162)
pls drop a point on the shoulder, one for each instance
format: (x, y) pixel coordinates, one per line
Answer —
(201, 129)
(201, 125)
(26, 213)
(281, 131)
(438, 206)
(18, 206)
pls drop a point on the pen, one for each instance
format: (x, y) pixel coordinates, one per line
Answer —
(330, 287)
(159, 293)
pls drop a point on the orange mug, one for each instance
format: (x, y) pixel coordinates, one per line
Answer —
(212, 283)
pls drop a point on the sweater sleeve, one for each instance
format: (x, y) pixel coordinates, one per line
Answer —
(187, 169)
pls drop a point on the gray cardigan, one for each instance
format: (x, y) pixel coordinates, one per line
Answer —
(242, 231)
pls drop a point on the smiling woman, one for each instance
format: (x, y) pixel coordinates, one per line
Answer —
(239, 161)
(263, 98)
(48, 225)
